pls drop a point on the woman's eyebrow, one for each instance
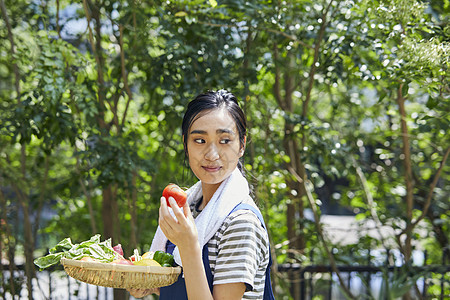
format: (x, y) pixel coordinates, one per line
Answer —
(218, 131)
(229, 131)
(198, 132)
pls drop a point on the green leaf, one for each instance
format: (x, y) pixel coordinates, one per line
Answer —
(93, 247)
(181, 14)
(383, 95)
(360, 217)
(65, 244)
(48, 260)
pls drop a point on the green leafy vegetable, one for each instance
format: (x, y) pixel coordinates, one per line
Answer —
(102, 251)
(65, 244)
(163, 258)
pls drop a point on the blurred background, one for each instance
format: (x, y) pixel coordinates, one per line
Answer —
(348, 114)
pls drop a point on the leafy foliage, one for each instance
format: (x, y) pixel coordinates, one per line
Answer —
(92, 97)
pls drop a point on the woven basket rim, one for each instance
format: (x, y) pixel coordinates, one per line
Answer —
(92, 265)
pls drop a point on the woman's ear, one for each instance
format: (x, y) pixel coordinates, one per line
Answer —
(242, 150)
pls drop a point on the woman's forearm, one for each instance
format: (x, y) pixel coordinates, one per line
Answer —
(194, 274)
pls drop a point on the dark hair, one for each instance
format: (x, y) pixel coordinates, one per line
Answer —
(215, 100)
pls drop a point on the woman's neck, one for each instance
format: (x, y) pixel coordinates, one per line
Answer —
(208, 191)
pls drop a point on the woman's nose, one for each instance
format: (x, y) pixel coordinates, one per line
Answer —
(212, 153)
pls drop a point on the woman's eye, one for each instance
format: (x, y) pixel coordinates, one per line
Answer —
(225, 141)
(199, 141)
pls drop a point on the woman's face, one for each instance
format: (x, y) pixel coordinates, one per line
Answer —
(213, 146)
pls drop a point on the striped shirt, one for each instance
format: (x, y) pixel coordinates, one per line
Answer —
(239, 251)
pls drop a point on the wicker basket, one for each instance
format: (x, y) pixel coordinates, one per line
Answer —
(120, 276)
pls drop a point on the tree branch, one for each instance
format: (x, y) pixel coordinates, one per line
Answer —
(97, 55)
(430, 194)
(370, 202)
(43, 187)
(13, 49)
(277, 84)
(312, 71)
(321, 235)
(88, 197)
(124, 75)
(263, 29)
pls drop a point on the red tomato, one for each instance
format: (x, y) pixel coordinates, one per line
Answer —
(173, 190)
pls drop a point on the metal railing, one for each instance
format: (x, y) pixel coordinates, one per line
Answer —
(52, 283)
(371, 281)
(365, 281)
(321, 280)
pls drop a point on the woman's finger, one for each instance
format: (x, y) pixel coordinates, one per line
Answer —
(139, 293)
(163, 210)
(165, 218)
(187, 212)
(176, 210)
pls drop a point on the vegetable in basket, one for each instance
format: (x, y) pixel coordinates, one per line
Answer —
(118, 249)
(94, 248)
(163, 258)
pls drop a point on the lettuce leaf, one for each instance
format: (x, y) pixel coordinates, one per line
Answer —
(94, 247)
(48, 261)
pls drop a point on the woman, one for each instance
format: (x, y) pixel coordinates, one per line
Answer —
(218, 237)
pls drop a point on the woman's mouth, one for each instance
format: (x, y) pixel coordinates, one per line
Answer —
(211, 169)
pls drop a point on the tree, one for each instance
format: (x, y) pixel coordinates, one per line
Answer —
(346, 104)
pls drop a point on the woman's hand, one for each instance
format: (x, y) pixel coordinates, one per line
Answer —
(180, 228)
(139, 293)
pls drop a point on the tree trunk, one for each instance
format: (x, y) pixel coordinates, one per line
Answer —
(133, 212)
(23, 198)
(407, 245)
(290, 144)
(408, 173)
(107, 207)
(9, 247)
(115, 216)
(29, 249)
(29, 243)
(111, 227)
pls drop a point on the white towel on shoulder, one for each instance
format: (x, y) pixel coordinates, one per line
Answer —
(230, 193)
